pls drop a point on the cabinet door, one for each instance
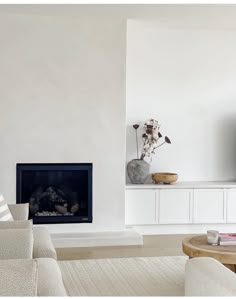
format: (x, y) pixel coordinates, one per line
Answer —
(208, 206)
(231, 206)
(175, 206)
(140, 207)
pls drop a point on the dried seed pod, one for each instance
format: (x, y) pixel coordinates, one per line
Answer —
(167, 139)
(136, 126)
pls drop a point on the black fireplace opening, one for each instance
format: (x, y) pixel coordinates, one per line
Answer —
(56, 193)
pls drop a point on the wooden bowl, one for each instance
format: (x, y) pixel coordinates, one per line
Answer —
(164, 177)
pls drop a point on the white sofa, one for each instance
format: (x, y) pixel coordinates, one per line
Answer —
(28, 260)
(205, 276)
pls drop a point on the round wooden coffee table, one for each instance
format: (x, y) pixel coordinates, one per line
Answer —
(197, 246)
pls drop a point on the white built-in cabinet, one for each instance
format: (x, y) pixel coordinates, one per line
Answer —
(231, 206)
(174, 206)
(182, 203)
(138, 202)
(209, 206)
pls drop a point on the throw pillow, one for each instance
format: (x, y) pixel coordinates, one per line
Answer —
(21, 224)
(5, 214)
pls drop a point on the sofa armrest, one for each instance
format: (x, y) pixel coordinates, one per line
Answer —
(50, 281)
(43, 246)
(205, 276)
(19, 211)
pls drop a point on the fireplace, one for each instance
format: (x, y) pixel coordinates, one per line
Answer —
(56, 193)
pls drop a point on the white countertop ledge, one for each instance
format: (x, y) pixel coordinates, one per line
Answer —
(185, 185)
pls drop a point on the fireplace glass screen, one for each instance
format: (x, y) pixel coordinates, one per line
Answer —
(56, 193)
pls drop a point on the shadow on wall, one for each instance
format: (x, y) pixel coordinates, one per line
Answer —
(131, 142)
(227, 148)
(131, 152)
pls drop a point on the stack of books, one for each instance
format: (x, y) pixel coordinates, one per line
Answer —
(227, 238)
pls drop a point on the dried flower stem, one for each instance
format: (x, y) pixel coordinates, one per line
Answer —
(160, 145)
(137, 141)
(142, 156)
(136, 126)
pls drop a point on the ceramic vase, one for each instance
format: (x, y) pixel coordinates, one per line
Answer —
(138, 171)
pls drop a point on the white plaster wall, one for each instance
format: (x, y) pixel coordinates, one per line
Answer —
(185, 78)
(62, 99)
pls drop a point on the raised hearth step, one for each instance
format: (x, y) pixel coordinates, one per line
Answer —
(122, 238)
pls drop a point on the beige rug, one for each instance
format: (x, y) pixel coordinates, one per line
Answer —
(140, 276)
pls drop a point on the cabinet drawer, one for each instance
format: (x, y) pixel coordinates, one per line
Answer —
(208, 206)
(140, 207)
(175, 206)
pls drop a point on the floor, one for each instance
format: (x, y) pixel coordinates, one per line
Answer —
(154, 245)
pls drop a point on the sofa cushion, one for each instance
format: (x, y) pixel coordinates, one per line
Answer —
(18, 277)
(20, 224)
(49, 278)
(5, 214)
(16, 244)
(19, 211)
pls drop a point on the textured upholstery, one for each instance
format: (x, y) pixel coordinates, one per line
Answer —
(18, 278)
(49, 278)
(43, 246)
(16, 244)
(205, 276)
(19, 211)
(20, 224)
(31, 277)
(5, 214)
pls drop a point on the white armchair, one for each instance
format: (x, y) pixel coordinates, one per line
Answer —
(205, 276)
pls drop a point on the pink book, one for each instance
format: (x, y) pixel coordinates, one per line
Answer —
(227, 237)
